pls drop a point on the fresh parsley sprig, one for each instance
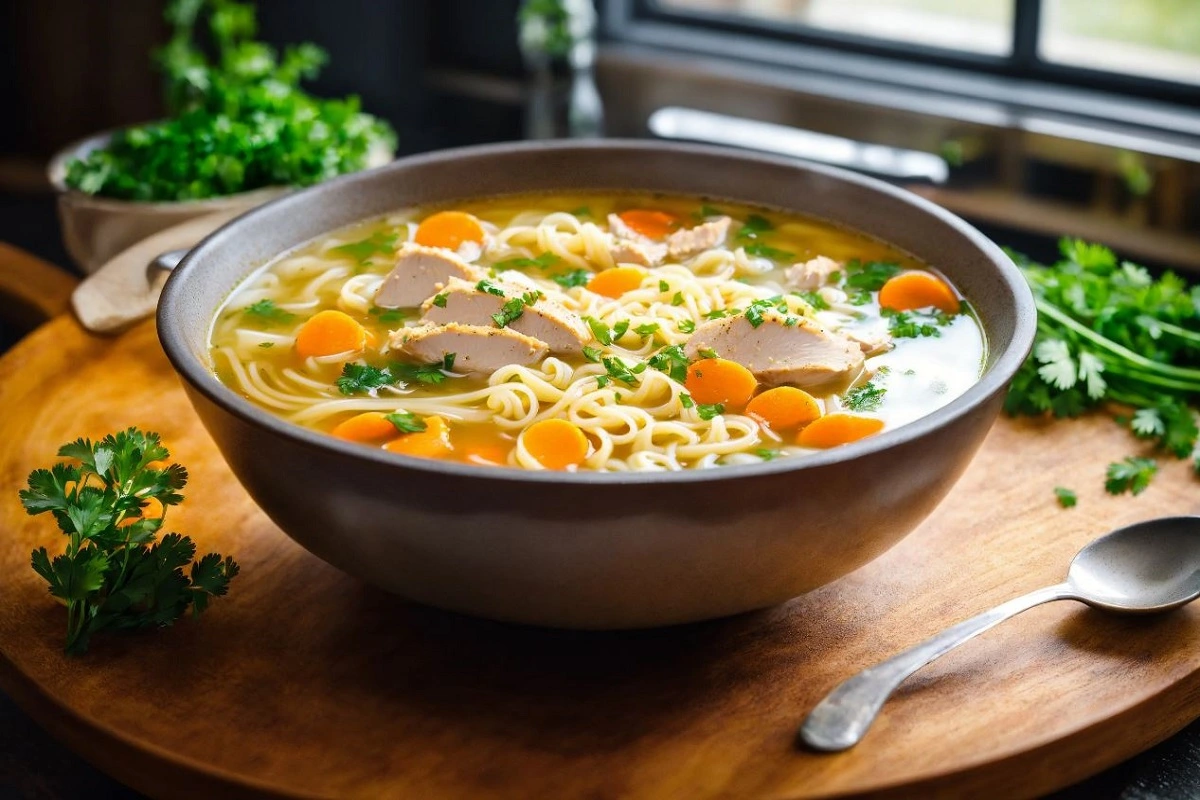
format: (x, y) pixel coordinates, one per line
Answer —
(110, 500)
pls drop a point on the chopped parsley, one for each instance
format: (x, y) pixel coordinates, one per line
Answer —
(814, 299)
(544, 261)
(619, 329)
(267, 313)
(490, 288)
(773, 253)
(866, 397)
(1132, 475)
(709, 410)
(915, 324)
(706, 212)
(366, 379)
(619, 370)
(672, 361)
(649, 329)
(582, 211)
(576, 277)
(686, 400)
(591, 354)
(687, 326)
(677, 299)
(377, 244)
(767, 453)
(754, 312)
(718, 313)
(406, 422)
(707, 352)
(439, 299)
(600, 330)
(386, 315)
(266, 345)
(663, 286)
(754, 225)
(1066, 497)
(870, 276)
(513, 308)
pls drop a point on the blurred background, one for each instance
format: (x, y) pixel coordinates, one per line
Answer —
(1033, 118)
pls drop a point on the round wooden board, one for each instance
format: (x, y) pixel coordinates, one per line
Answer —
(305, 683)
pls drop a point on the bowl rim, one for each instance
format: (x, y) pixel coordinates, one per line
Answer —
(199, 376)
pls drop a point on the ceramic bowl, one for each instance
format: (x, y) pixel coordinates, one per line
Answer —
(597, 550)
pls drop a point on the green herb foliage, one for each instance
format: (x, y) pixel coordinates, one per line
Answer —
(366, 379)
(915, 324)
(576, 277)
(672, 361)
(870, 276)
(1133, 475)
(709, 410)
(1109, 332)
(1066, 497)
(544, 261)
(377, 244)
(266, 313)
(865, 397)
(406, 422)
(513, 308)
(773, 253)
(768, 453)
(115, 575)
(239, 121)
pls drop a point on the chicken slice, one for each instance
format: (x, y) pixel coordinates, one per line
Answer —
(477, 348)
(419, 272)
(460, 301)
(687, 243)
(631, 247)
(811, 274)
(800, 354)
(872, 342)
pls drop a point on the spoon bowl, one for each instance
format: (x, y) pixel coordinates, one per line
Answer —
(1144, 568)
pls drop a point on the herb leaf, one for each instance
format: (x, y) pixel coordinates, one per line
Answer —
(866, 397)
(1132, 475)
(406, 422)
(1066, 497)
(267, 313)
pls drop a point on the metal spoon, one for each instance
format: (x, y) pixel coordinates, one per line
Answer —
(1144, 568)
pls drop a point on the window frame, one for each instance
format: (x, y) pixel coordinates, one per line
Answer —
(629, 20)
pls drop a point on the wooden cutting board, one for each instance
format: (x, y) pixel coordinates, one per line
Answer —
(304, 682)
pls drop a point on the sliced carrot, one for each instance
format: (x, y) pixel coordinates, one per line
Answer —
(784, 408)
(449, 229)
(719, 380)
(330, 332)
(433, 442)
(617, 281)
(370, 426)
(839, 428)
(650, 223)
(918, 289)
(556, 443)
(492, 455)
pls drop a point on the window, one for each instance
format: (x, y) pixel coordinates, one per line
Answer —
(1149, 49)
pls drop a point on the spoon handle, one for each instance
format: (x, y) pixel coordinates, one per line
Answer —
(843, 717)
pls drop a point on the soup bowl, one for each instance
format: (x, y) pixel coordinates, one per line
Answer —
(588, 549)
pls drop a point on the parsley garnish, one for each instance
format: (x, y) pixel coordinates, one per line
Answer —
(544, 261)
(763, 251)
(649, 329)
(601, 331)
(490, 288)
(709, 410)
(871, 276)
(386, 315)
(754, 312)
(619, 370)
(267, 313)
(378, 243)
(1131, 475)
(754, 225)
(866, 397)
(582, 211)
(406, 422)
(717, 313)
(663, 286)
(114, 575)
(364, 378)
(592, 354)
(707, 352)
(686, 326)
(677, 299)
(814, 299)
(439, 299)
(672, 361)
(768, 454)
(915, 324)
(266, 345)
(576, 277)
(705, 212)
(1066, 497)
(686, 400)
(513, 308)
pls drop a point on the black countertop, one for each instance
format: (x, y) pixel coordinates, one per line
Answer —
(33, 765)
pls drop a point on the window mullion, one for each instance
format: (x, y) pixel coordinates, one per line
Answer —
(1027, 20)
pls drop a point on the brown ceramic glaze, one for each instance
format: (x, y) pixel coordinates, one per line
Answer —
(586, 549)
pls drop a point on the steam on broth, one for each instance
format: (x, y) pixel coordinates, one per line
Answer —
(603, 332)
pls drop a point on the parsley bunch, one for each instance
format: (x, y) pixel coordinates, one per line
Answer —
(1109, 332)
(240, 121)
(114, 575)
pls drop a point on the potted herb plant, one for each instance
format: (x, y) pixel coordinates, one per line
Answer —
(241, 130)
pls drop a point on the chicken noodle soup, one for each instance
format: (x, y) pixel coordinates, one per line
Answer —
(626, 332)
